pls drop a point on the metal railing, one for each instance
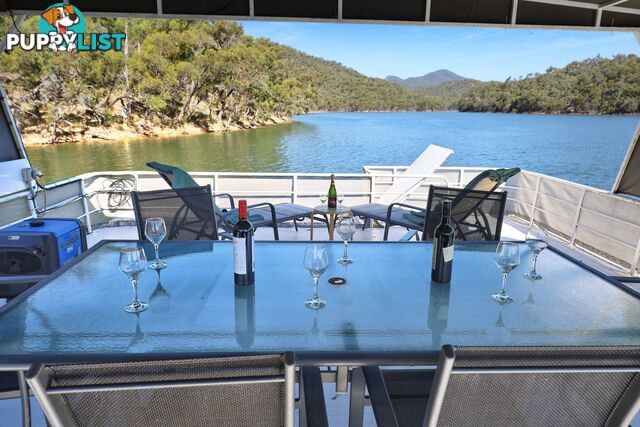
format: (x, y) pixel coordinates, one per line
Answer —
(603, 224)
(596, 221)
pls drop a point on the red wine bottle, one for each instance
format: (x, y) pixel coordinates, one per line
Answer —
(333, 194)
(244, 266)
(443, 239)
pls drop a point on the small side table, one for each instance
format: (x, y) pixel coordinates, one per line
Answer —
(330, 214)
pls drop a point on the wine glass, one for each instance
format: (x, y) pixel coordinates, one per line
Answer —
(133, 262)
(340, 200)
(316, 262)
(323, 199)
(346, 228)
(537, 240)
(507, 258)
(156, 230)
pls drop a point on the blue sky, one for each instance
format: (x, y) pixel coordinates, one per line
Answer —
(479, 53)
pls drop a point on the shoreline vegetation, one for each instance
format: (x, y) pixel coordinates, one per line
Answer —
(178, 77)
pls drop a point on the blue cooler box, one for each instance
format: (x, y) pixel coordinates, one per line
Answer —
(35, 248)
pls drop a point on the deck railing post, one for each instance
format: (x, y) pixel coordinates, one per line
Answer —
(85, 207)
(535, 201)
(372, 193)
(577, 217)
(294, 189)
(635, 264)
(216, 183)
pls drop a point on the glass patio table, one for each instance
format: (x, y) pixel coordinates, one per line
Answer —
(387, 306)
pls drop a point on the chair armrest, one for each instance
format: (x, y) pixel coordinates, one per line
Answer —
(229, 196)
(269, 205)
(315, 410)
(379, 396)
(406, 237)
(404, 205)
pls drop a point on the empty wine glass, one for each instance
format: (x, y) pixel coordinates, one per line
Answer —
(537, 240)
(346, 228)
(323, 199)
(340, 200)
(133, 262)
(156, 230)
(507, 258)
(316, 262)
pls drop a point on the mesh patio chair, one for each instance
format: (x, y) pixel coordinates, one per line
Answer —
(519, 386)
(476, 215)
(227, 391)
(187, 213)
(260, 214)
(413, 217)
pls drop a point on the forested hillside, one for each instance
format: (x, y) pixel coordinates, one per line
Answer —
(450, 93)
(593, 86)
(192, 76)
(182, 73)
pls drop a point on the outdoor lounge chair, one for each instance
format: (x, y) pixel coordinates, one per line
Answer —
(260, 214)
(511, 386)
(187, 213)
(414, 218)
(425, 164)
(225, 391)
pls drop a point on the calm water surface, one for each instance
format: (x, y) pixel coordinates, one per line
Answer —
(584, 149)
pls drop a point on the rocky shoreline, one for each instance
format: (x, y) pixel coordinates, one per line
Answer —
(117, 132)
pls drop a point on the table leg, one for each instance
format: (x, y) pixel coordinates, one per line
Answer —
(312, 226)
(330, 225)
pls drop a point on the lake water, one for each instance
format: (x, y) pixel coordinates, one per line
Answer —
(584, 149)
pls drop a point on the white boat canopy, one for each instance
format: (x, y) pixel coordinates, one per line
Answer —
(628, 181)
(622, 15)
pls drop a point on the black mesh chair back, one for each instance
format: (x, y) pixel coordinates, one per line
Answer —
(477, 215)
(188, 212)
(535, 386)
(228, 391)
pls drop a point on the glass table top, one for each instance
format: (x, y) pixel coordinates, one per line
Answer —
(387, 305)
(325, 209)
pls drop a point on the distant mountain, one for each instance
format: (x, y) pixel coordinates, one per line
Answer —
(429, 79)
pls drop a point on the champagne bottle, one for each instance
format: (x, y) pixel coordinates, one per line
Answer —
(243, 262)
(333, 194)
(443, 239)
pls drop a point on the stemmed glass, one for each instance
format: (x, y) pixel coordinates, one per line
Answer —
(340, 200)
(156, 230)
(316, 262)
(346, 228)
(323, 199)
(133, 262)
(507, 258)
(537, 240)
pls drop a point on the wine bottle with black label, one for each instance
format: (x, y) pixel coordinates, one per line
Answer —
(333, 194)
(443, 239)
(244, 266)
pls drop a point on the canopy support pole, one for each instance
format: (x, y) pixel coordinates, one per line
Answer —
(635, 138)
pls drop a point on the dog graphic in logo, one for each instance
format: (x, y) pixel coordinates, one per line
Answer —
(61, 18)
